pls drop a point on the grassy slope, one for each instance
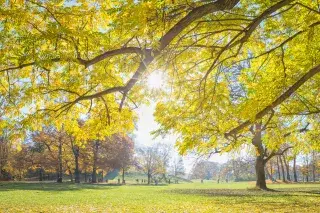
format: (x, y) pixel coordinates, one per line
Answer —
(193, 197)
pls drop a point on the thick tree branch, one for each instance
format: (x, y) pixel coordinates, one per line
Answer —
(121, 51)
(279, 152)
(195, 14)
(315, 70)
(268, 121)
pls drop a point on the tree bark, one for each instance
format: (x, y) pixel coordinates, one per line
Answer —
(295, 169)
(95, 159)
(282, 169)
(260, 173)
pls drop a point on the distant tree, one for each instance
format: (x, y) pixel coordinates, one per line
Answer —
(305, 168)
(50, 145)
(76, 153)
(199, 171)
(177, 167)
(242, 168)
(23, 159)
(86, 161)
(150, 161)
(204, 170)
(286, 160)
(315, 164)
(282, 168)
(10, 142)
(95, 147)
(4, 152)
(164, 151)
(117, 153)
(295, 176)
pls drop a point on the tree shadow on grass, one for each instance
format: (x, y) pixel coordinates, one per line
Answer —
(38, 186)
(249, 192)
(250, 200)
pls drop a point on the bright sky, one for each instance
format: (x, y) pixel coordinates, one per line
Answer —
(146, 124)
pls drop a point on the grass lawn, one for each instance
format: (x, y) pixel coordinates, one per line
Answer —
(189, 197)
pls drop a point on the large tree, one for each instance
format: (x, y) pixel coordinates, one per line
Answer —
(257, 82)
(230, 62)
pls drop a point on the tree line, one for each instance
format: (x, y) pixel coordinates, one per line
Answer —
(283, 168)
(54, 155)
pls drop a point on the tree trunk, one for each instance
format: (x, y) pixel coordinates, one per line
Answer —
(71, 175)
(40, 174)
(260, 173)
(282, 169)
(60, 171)
(269, 175)
(295, 169)
(260, 163)
(95, 159)
(123, 181)
(271, 171)
(76, 160)
(279, 175)
(313, 167)
(149, 178)
(76, 170)
(287, 167)
(85, 176)
(307, 166)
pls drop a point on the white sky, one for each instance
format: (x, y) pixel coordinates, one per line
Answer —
(143, 136)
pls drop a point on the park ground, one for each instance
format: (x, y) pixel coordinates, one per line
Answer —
(184, 197)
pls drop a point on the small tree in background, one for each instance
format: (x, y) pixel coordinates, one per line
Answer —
(177, 167)
(150, 160)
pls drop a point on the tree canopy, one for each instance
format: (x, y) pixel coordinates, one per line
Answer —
(233, 67)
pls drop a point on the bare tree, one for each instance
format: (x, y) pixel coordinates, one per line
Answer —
(177, 167)
(153, 160)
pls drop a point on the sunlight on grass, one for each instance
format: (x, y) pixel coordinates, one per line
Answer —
(193, 197)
